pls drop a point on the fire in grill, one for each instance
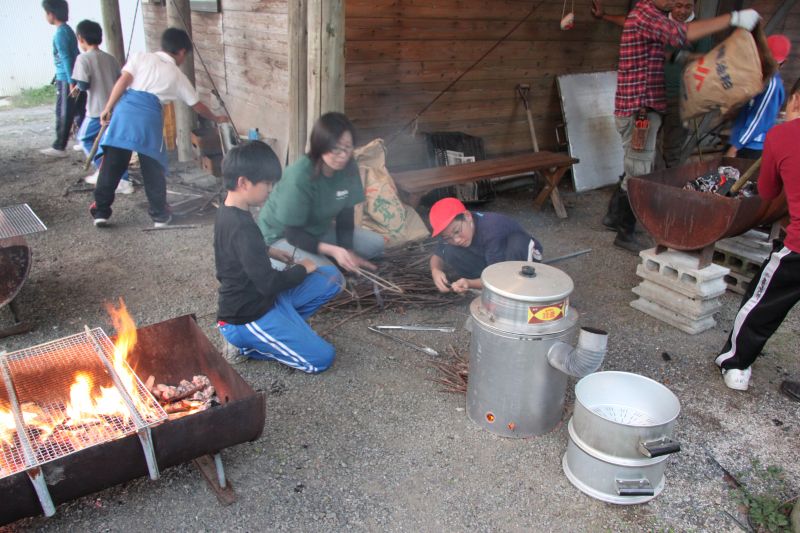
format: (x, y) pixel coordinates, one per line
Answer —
(72, 409)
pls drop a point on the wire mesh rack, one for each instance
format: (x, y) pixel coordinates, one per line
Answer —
(68, 400)
(17, 220)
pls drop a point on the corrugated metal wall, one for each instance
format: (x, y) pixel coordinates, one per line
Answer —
(26, 60)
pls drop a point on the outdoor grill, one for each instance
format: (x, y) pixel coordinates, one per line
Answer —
(15, 258)
(54, 450)
(38, 381)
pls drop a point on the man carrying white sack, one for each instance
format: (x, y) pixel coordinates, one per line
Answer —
(641, 94)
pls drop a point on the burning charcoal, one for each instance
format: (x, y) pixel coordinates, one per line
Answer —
(201, 381)
(730, 173)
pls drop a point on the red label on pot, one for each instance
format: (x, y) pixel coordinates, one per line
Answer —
(546, 313)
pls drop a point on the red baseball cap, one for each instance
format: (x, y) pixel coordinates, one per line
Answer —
(443, 212)
(779, 45)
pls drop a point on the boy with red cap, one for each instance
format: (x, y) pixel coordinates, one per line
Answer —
(759, 115)
(471, 241)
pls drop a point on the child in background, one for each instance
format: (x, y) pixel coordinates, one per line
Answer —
(65, 50)
(761, 113)
(137, 124)
(471, 241)
(95, 73)
(263, 311)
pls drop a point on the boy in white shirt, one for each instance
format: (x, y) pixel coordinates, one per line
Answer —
(137, 124)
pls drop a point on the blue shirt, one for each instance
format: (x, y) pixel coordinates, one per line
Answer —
(65, 51)
(758, 116)
(491, 233)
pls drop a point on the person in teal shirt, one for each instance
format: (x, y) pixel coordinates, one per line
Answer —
(311, 212)
(65, 51)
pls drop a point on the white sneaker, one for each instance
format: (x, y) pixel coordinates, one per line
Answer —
(77, 147)
(101, 223)
(52, 152)
(737, 379)
(163, 224)
(124, 187)
(92, 180)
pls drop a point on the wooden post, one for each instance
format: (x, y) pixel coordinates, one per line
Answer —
(185, 121)
(298, 76)
(112, 30)
(325, 58)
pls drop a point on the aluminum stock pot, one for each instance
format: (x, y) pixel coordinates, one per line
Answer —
(621, 437)
(522, 312)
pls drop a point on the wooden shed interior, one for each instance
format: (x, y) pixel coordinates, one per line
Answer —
(400, 54)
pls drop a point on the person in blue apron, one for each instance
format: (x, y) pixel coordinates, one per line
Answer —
(136, 124)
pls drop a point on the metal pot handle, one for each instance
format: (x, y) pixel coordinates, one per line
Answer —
(634, 487)
(657, 448)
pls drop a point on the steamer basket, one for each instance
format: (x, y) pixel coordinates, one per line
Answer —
(625, 415)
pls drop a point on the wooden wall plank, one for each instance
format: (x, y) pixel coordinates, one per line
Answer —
(402, 53)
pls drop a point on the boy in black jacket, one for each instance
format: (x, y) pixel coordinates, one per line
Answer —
(262, 311)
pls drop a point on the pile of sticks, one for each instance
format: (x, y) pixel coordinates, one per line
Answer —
(453, 373)
(403, 278)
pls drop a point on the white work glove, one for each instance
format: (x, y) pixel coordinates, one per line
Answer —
(746, 18)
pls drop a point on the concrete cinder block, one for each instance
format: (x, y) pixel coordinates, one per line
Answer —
(732, 254)
(672, 280)
(692, 308)
(737, 282)
(681, 266)
(683, 323)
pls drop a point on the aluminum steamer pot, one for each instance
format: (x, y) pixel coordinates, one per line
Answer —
(523, 310)
(625, 415)
(620, 437)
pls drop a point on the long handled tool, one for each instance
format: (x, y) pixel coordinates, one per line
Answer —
(747, 176)
(443, 329)
(95, 146)
(524, 90)
(424, 349)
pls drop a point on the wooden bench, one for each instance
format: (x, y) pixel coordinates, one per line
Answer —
(414, 184)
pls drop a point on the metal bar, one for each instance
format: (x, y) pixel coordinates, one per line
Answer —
(418, 347)
(220, 470)
(444, 329)
(144, 437)
(566, 256)
(35, 473)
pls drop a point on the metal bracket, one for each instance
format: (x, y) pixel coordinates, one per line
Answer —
(659, 447)
(634, 487)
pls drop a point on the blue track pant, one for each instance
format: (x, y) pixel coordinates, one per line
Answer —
(90, 128)
(283, 334)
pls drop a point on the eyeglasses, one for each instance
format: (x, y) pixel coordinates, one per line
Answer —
(453, 234)
(340, 151)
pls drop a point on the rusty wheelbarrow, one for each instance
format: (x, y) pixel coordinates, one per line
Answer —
(693, 221)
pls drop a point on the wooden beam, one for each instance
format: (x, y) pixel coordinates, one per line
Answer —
(179, 15)
(325, 58)
(112, 30)
(298, 78)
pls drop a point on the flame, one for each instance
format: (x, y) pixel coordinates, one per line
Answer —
(90, 405)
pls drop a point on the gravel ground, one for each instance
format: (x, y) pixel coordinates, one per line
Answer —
(373, 444)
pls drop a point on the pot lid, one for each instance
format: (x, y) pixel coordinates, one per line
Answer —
(527, 282)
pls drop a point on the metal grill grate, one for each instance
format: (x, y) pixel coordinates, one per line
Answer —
(19, 220)
(42, 377)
